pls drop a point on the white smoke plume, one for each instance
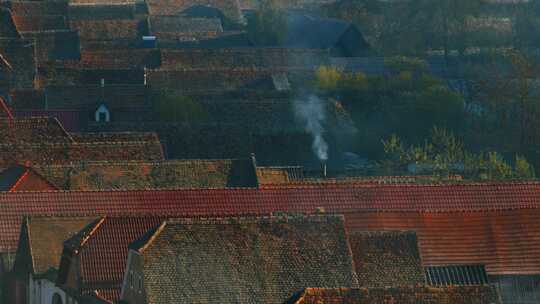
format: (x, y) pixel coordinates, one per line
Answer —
(311, 112)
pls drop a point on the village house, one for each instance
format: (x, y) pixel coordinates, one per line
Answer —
(38, 258)
(337, 37)
(43, 140)
(84, 274)
(219, 260)
(484, 224)
(93, 104)
(167, 174)
(229, 8)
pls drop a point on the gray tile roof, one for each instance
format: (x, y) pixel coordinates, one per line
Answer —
(244, 260)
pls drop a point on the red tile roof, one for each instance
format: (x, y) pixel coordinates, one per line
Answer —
(506, 242)
(110, 239)
(496, 224)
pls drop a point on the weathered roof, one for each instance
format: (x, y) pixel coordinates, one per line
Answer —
(103, 250)
(42, 241)
(169, 174)
(175, 24)
(20, 53)
(39, 23)
(10, 176)
(241, 57)
(32, 130)
(221, 79)
(496, 224)
(125, 29)
(386, 258)
(70, 119)
(401, 295)
(308, 31)
(101, 11)
(55, 45)
(21, 178)
(504, 241)
(244, 260)
(278, 175)
(114, 59)
(37, 8)
(62, 153)
(230, 8)
(42, 140)
(89, 97)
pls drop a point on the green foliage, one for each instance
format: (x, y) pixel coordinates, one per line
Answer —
(523, 169)
(268, 25)
(409, 103)
(444, 154)
(328, 78)
(169, 107)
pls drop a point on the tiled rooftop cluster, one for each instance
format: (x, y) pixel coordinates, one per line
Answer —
(391, 230)
(229, 256)
(402, 295)
(44, 141)
(133, 175)
(386, 258)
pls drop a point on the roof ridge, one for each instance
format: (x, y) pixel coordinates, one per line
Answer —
(122, 162)
(149, 239)
(92, 231)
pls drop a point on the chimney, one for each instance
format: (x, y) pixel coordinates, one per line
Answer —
(102, 82)
(324, 170)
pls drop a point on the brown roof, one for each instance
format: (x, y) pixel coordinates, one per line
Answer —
(386, 258)
(55, 45)
(230, 8)
(278, 175)
(117, 59)
(241, 57)
(37, 8)
(495, 224)
(220, 79)
(244, 260)
(90, 97)
(33, 130)
(174, 27)
(41, 140)
(39, 23)
(20, 53)
(42, 242)
(21, 178)
(169, 174)
(401, 295)
(126, 29)
(102, 249)
(101, 11)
